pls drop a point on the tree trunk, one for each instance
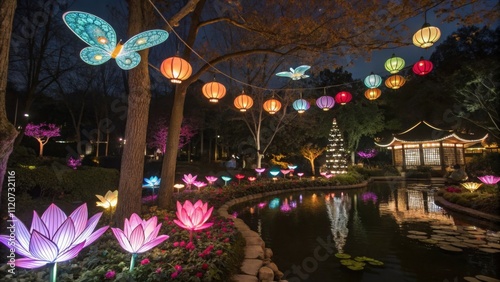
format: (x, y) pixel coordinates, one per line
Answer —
(132, 164)
(8, 132)
(170, 159)
(40, 154)
(313, 170)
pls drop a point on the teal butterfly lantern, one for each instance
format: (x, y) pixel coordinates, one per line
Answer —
(295, 74)
(103, 44)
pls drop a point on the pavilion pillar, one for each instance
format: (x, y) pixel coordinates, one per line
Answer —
(421, 154)
(441, 157)
(455, 154)
(393, 156)
(403, 154)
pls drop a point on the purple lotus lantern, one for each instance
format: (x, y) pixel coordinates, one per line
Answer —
(489, 179)
(53, 237)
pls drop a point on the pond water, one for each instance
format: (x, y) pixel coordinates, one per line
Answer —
(385, 222)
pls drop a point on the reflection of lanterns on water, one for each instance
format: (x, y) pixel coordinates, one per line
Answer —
(252, 210)
(293, 204)
(285, 207)
(369, 196)
(262, 205)
(300, 198)
(235, 214)
(338, 211)
(314, 199)
(274, 203)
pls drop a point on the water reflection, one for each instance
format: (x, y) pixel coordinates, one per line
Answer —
(414, 205)
(338, 208)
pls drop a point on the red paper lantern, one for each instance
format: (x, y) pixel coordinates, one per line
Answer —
(422, 67)
(343, 97)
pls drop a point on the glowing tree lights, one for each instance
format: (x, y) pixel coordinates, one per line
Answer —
(103, 44)
(336, 161)
(42, 133)
(53, 237)
(193, 217)
(139, 236)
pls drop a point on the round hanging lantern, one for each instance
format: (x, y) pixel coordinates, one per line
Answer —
(395, 81)
(176, 69)
(372, 94)
(214, 91)
(343, 97)
(325, 102)
(301, 105)
(373, 81)
(426, 36)
(243, 102)
(422, 67)
(394, 64)
(272, 106)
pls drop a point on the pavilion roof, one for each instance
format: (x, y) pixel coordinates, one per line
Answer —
(424, 132)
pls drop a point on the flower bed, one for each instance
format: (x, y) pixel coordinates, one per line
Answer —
(486, 200)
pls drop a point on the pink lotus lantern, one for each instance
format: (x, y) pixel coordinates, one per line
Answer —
(259, 170)
(251, 178)
(323, 173)
(211, 179)
(199, 184)
(53, 237)
(193, 217)
(489, 179)
(239, 176)
(285, 172)
(300, 174)
(328, 176)
(138, 236)
(189, 180)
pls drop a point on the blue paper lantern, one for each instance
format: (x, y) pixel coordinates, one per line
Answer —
(301, 105)
(373, 80)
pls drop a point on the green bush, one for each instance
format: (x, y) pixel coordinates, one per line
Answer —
(84, 183)
(38, 181)
(484, 165)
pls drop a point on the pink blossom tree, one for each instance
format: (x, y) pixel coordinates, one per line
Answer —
(158, 133)
(42, 133)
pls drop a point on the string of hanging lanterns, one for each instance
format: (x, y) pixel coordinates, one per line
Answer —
(177, 70)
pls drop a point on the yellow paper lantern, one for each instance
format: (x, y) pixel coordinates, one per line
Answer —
(214, 91)
(176, 69)
(272, 106)
(426, 36)
(372, 94)
(243, 102)
(395, 81)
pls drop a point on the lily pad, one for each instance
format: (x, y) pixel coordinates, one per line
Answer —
(342, 255)
(489, 250)
(418, 237)
(355, 267)
(450, 248)
(471, 279)
(417, 232)
(347, 262)
(429, 241)
(376, 263)
(487, 278)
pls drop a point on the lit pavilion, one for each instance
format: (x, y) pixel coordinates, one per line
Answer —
(427, 145)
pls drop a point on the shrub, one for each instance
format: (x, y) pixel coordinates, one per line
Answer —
(38, 181)
(83, 184)
(484, 165)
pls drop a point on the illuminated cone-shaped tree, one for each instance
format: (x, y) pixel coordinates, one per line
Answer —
(336, 161)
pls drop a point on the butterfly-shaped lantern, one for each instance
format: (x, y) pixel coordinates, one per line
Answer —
(295, 74)
(102, 40)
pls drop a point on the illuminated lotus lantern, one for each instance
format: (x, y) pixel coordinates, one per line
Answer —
(272, 106)
(325, 102)
(243, 102)
(178, 186)
(199, 184)
(214, 91)
(292, 167)
(176, 69)
(189, 180)
(489, 179)
(211, 179)
(301, 105)
(394, 64)
(285, 172)
(259, 170)
(373, 94)
(239, 176)
(343, 97)
(226, 179)
(109, 200)
(251, 178)
(274, 173)
(471, 186)
(373, 80)
(300, 174)
(422, 67)
(395, 81)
